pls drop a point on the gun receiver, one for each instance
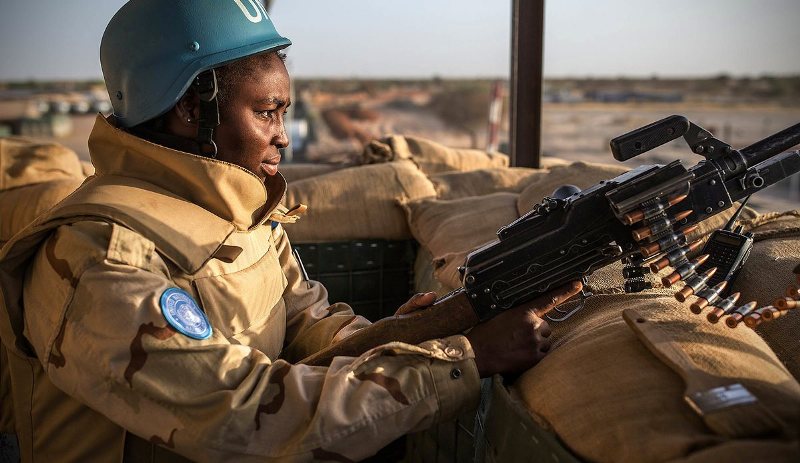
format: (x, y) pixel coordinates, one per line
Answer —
(566, 239)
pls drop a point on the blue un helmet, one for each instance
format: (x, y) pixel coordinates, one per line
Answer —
(153, 50)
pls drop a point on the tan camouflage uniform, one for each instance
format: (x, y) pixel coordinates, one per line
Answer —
(91, 274)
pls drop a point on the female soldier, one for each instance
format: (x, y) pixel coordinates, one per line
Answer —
(157, 313)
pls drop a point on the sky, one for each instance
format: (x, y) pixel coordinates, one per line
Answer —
(45, 39)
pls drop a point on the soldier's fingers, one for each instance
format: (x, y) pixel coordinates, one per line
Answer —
(540, 326)
(547, 302)
(543, 345)
(409, 306)
(417, 301)
(423, 300)
(544, 329)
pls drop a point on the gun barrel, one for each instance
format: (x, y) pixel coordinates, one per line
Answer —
(772, 145)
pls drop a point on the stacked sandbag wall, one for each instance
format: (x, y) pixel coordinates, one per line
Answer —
(431, 157)
(363, 201)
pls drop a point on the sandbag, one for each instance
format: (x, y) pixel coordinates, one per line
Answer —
(445, 227)
(431, 157)
(34, 176)
(455, 185)
(580, 174)
(548, 162)
(21, 205)
(87, 168)
(424, 281)
(609, 397)
(508, 432)
(746, 451)
(357, 203)
(300, 171)
(25, 161)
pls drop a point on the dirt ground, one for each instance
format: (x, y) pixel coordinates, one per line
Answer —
(581, 131)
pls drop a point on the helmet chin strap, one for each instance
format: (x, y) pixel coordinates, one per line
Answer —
(206, 86)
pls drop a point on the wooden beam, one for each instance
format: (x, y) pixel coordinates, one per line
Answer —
(527, 55)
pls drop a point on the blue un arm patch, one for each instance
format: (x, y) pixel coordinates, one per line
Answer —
(182, 313)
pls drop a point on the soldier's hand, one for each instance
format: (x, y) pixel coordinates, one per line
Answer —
(517, 339)
(417, 301)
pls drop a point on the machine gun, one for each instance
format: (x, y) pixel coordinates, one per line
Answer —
(637, 217)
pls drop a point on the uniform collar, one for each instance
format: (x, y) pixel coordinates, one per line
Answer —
(224, 189)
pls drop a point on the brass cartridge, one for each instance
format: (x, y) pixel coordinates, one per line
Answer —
(738, 315)
(645, 213)
(668, 242)
(725, 307)
(659, 225)
(674, 257)
(694, 284)
(707, 296)
(785, 303)
(684, 271)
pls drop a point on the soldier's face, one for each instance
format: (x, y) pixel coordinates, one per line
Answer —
(252, 129)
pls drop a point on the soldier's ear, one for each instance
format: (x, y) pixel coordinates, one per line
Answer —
(187, 108)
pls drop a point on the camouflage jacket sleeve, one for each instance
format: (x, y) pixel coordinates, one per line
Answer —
(312, 322)
(97, 328)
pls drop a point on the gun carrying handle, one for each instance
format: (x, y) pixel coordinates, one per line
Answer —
(453, 314)
(648, 137)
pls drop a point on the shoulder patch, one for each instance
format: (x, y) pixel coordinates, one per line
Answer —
(183, 314)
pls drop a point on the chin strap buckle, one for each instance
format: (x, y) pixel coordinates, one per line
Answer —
(206, 86)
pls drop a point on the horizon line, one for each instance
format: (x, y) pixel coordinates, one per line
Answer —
(457, 77)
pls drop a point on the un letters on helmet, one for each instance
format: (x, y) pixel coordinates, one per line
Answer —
(260, 12)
